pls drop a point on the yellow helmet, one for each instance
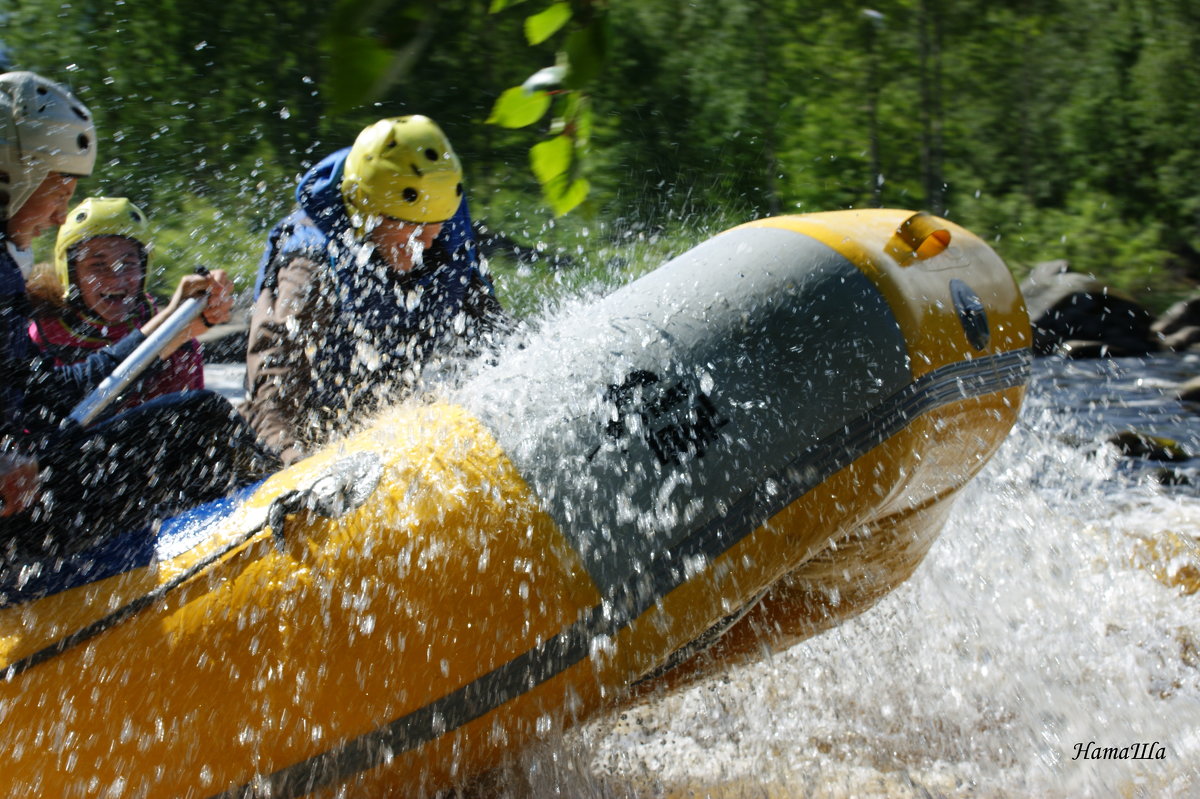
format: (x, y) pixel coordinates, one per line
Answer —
(100, 216)
(403, 168)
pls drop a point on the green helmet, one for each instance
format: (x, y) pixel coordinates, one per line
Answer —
(100, 216)
(43, 129)
(403, 168)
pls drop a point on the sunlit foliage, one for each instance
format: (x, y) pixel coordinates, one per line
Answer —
(1044, 125)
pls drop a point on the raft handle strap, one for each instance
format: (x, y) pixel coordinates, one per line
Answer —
(344, 487)
(920, 236)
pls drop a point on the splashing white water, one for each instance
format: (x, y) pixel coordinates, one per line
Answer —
(1029, 633)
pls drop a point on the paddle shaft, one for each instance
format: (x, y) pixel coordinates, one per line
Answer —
(111, 387)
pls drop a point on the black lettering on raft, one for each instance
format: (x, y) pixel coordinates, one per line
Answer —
(677, 422)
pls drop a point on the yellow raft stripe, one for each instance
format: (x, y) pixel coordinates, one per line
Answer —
(977, 377)
(34, 630)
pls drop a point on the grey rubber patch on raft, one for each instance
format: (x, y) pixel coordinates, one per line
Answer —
(649, 413)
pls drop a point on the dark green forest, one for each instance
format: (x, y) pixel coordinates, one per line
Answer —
(1052, 128)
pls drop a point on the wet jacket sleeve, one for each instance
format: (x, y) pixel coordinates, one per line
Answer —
(490, 321)
(60, 388)
(279, 370)
(38, 393)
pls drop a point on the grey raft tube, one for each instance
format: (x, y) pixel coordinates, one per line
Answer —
(697, 402)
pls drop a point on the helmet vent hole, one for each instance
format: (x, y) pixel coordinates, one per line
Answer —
(84, 143)
(81, 217)
(136, 216)
(42, 90)
(410, 194)
(458, 190)
(431, 154)
(79, 112)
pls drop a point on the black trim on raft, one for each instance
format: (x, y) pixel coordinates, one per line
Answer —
(345, 485)
(966, 379)
(124, 612)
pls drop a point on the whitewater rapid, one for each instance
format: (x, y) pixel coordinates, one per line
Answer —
(1045, 626)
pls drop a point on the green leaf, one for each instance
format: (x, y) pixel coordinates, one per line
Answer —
(500, 5)
(584, 122)
(515, 108)
(543, 25)
(551, 158)
(563, 111)
(564, 194)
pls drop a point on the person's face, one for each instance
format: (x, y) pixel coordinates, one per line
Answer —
(400, 242)
(110, 276)
(45, 209)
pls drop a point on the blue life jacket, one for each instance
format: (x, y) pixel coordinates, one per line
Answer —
(321, 218)
(396, 319)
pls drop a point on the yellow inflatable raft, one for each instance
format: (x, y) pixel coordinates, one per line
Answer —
(757, 439)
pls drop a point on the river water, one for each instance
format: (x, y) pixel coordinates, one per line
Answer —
(1059, 608)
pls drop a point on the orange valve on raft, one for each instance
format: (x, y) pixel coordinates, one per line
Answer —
(763, 434)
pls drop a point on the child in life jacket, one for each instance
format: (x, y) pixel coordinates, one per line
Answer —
(97, 296)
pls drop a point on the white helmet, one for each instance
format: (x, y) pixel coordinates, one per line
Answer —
(43, 129)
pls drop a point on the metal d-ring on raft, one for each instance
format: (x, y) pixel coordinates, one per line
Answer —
(742, 448)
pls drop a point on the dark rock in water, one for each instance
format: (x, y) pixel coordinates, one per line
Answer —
(1183, 314)
(1069, 306)
(1094, 349)
(1178, 328)
(1165, 475)
(1074, 440)
(1189, 391)
(1183, 340)
(1154, 448)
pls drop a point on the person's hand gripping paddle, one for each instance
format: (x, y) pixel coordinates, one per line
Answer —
(128, 370)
